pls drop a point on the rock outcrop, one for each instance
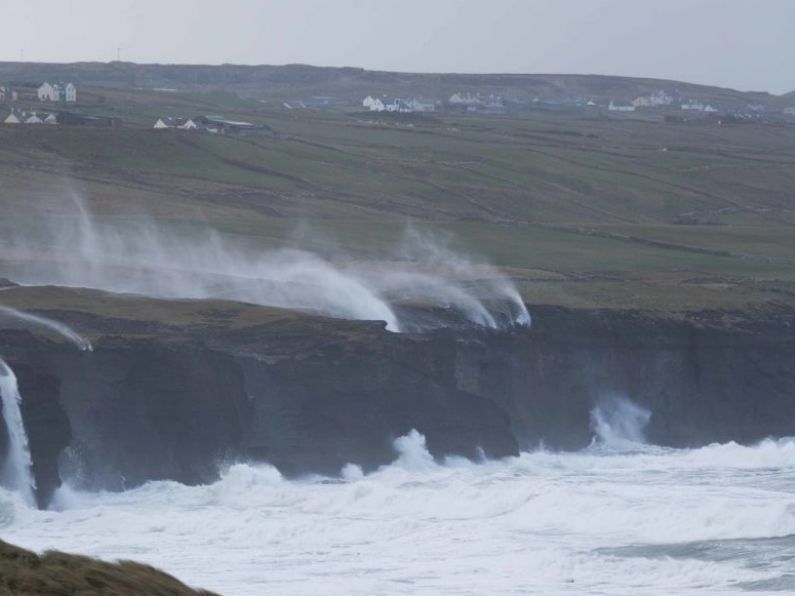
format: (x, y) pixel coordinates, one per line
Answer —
(24, 573)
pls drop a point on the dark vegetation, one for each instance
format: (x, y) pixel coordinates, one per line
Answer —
(24, 573)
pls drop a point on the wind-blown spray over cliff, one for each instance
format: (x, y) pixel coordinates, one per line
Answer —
(148, 259)
(64, 330)
(16, 472)
(619, 423)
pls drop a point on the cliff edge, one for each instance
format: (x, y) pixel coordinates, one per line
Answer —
(172, 389)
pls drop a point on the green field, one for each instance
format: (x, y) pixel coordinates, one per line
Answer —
(581, 210)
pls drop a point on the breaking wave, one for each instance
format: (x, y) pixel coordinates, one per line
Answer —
(593, 522)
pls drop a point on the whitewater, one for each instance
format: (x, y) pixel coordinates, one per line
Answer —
(648, 520)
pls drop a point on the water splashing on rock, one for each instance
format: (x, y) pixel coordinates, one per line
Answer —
(17, 468)
(619, 423)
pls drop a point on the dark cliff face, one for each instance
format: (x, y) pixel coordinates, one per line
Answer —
(712, 378)
(175, 406)
(158, 402)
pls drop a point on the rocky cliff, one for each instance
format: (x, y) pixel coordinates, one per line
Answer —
(172, 389)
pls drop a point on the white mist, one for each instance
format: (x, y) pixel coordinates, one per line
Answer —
(146, 258)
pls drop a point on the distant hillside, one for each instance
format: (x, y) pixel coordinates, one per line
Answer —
(584, 208)
(351, 84)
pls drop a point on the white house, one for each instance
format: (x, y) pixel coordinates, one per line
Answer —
(7, 94)
(697, 106)
(33, 119)
(661, 98)
(465, 99)
(399, 105)
(422, 105)
(57, 92)
(49, 92)
(70, 93)
(12, 119)
(51, 119)
(165, 122)
(655, 100)
(620, 107)
(373, 104)
(693, 106)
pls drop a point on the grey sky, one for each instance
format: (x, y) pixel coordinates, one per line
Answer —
(746, 44)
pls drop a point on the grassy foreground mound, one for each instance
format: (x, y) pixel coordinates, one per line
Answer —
(24, 573)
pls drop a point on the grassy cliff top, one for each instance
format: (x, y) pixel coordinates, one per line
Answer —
(24, 573)
(96, 314)
(583, 210)
(131, 307)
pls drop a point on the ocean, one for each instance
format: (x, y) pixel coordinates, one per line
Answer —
(617, 518)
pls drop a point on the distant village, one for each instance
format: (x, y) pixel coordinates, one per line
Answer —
(56, 104)
(50, 95)
(659, 101)
(210, 124)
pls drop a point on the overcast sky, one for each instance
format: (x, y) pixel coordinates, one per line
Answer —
(745, 44)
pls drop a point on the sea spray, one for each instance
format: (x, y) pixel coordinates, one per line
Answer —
(17, 469)
(619, 423)
(413, 453)
(149, 259)
(82, 344)
(491, 301)
(653, 522)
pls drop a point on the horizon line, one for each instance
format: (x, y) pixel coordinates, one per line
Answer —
(388, 71)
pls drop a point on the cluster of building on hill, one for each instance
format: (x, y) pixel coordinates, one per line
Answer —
(462, 101)
(497, 104)
(398, 104)
(23, 117)
(57, 92)
(658, 101)
(44, 93)
(211, 124)
(476, 102)
(17, 116)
